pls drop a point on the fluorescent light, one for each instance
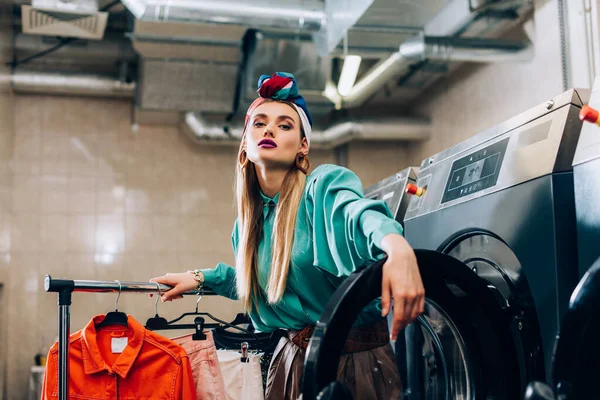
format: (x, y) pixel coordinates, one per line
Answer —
(348, 76)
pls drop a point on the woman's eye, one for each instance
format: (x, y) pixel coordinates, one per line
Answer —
(258, 124)
(285, 127)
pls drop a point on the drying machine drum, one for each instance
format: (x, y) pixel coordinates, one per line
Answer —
(463, 346)
(577, 355)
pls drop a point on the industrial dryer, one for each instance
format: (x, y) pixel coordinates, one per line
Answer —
(577, 352)
(495, 238)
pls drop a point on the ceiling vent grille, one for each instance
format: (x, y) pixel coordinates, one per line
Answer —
(63, 23)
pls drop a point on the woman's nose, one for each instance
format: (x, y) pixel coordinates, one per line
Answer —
(269, 131)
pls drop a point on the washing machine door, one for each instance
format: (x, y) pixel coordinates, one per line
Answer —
(462, 347)
(577, 354)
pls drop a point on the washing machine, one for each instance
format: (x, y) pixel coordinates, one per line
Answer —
(586, 173)
(495, 238)
(577, 353)
(392, 190)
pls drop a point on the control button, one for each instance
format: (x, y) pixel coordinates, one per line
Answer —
(414, 190)
(588, 114)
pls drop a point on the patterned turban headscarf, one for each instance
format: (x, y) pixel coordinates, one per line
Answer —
(282, 86)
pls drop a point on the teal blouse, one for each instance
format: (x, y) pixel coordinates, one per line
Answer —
(337, 231)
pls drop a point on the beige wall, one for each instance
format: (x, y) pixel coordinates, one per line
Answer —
(373, 161)
(6, 138)
(478, 97)
(83, 197)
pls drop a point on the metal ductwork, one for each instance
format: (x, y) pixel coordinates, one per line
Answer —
(184, 35)
(442, 44)
(420, 48)
(256, 14)
(383, 129)
(67, 84)
(453, 49)
(193, 53)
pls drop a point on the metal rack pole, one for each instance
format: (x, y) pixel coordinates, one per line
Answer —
(65, 288)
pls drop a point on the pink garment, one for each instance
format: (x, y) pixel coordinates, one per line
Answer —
(205, 366)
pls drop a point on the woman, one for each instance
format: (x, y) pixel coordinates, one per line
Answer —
(297, 236)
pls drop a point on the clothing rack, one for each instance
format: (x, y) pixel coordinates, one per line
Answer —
(65, 288)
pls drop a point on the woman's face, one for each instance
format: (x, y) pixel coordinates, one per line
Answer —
(273, 137)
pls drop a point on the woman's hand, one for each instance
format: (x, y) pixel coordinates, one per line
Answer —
(181, 282)
(401, 281)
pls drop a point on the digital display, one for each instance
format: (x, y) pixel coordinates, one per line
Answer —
(475, 172)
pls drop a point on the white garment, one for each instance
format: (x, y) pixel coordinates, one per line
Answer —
(243, 381)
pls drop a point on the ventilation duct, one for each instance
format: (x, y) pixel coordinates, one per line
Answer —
(187, 85)
(387, 129)
(188, 66)
(454, 49)
(256, 14)
(421, 48)
(451, 21)
(66, 84)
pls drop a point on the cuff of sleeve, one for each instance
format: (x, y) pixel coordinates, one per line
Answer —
(211, 277)
(386, 228)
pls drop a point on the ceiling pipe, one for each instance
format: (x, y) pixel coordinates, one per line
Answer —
(256, 14)
(69, 84)
(454, 49)
(421, 48)
(371, 129)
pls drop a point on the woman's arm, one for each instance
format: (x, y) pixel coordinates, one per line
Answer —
(347, 228)
(221, 279)
(401, 281)
(351, 231)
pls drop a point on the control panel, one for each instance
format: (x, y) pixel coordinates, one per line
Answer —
(474, 172)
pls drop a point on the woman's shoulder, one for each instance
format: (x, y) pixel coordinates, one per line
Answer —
(325, 170)
(329, 177)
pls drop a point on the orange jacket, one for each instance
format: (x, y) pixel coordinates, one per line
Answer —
(148, 367)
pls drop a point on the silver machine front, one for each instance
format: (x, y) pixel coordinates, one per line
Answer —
(530, 145)
(494, 203)
(392, 190)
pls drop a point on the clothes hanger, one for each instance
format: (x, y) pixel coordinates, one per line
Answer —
(157, 322)
(199, 323)
(115, 317)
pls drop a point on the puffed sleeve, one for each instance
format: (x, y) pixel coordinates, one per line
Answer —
(347, 228)
(221, 279)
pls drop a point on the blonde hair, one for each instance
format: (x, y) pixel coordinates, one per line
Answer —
(250, 225)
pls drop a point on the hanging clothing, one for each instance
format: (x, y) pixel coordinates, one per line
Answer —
(337, 231)
(205, 366)
(119, 362)
(243, 380)
(227, 340)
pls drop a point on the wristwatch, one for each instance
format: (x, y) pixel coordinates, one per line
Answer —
(198, 277)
